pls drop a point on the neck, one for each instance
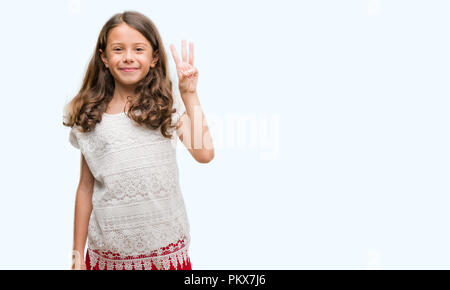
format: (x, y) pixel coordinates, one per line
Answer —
(121, 92)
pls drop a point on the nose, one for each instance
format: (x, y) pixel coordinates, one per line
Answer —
(128, 56)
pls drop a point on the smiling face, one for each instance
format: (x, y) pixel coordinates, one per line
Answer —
(129, 55)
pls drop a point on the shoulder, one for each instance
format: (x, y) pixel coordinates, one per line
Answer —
(73, 136)
(76, 136)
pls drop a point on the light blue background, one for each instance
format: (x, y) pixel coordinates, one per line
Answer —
(360, 90)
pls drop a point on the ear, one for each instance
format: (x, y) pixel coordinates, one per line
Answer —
(104, 59)
(155, 59)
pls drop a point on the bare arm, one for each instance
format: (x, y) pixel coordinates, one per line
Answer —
(192, 128)
(83, 209)
(193, 131)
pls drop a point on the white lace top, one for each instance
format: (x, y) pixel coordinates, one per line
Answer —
(139, 217)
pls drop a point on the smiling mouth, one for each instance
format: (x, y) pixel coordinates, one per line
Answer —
(128, 69)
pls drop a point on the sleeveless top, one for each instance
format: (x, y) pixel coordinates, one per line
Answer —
(138, 217)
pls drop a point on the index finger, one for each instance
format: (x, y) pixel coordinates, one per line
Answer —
(175, 55)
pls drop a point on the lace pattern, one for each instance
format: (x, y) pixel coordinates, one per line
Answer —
(133, 186)
(165, 258)
(136, 234)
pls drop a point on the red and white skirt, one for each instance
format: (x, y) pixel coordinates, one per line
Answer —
(173, 257)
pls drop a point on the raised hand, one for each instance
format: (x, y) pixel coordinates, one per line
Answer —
(187, 73)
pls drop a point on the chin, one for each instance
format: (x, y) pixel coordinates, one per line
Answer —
(129, 82)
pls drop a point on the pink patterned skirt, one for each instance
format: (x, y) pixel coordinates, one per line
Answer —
(173, 257)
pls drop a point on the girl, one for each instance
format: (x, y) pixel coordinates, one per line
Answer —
(125, 120)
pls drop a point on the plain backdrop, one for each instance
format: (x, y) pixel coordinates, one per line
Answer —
(330, 121)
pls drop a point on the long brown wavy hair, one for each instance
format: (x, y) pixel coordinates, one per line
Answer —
(152, 106)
